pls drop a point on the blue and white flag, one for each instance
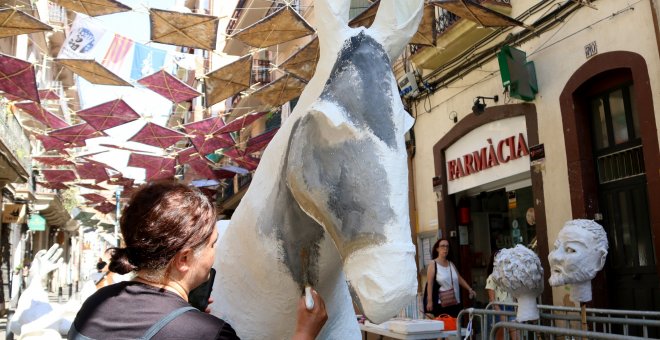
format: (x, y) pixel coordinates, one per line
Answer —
(84, 37)
(146, 61)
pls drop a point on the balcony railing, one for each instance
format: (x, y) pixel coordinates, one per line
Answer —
(230, 190)
(13, 137)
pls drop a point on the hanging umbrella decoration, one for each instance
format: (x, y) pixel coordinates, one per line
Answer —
(92, 71)
(203, 138)
(155, 167)
(184, 29)
(228, 80)
(108, 115)
(169, 87)
(14, 22)
(17, 77)
(93, 8)
(156, 135)
(42, 115)
(77, 134)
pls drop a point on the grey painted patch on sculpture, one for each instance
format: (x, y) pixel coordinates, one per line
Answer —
(360, 83)
(299, 234)
(354, 178)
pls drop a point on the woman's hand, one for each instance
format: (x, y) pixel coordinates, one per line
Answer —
(472, 293)
(429, 304)
(310, 322)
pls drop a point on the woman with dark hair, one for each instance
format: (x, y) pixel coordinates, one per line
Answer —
(444, 297)
(170, 236)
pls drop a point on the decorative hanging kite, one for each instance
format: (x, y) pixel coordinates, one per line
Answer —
(121, 180)
(198, 163)
(202, 136)
(118, 147)
(279, 92)
(302, 64)
(257, 143)
(156, 135)
(239, 123)
(475, 12)
(425, 35)
(17, 78)
(42, 115)
(48, 94)
(52, 160)
(169, 87)
(94, 198)
(14, 22)
(108, 115)
(228, 80)
(242, 159)
(54, 186)
(92, 71)
(93, 8)
(366, 17)
(77, 134)
(52, 143)
(184, 29)
(105, 207)
(156, 167)
(59, 176)
(285, 24)
(92, 170)
(91, 186)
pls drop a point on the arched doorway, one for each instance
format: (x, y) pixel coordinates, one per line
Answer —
(612, 154)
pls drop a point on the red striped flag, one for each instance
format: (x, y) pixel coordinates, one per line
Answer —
(114, 57)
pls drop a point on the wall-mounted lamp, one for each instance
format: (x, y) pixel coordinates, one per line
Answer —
(453, 116)
(480, 104)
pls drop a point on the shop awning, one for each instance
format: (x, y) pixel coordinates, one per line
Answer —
(14, 22)
(169, 87)
(228, 80)
(93, 8)
(108, 115)
(183, 29)
(302, 64)
(156, 135)
(473, 11)
(285, 24)
(92, 71)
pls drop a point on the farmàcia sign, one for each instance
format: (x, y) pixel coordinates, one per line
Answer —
(508, 149)
(488, 153)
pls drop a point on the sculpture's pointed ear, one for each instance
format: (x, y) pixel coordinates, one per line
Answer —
(331, 19)
(396, 22)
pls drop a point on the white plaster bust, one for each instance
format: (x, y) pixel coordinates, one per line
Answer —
(579, 253)
(518, 270)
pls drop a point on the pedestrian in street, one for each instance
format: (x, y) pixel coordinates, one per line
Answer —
(170, 235)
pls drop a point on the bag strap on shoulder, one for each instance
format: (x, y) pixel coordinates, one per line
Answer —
(164, 321)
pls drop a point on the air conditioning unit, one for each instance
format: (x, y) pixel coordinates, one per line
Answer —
(408, 85)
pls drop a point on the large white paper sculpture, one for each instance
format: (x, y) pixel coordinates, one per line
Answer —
(34, 311)
(519, 271)
(580, 252)
(328, 204)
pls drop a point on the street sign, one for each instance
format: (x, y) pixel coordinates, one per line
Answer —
(37, 222)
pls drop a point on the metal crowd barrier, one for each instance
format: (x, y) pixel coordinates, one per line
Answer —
(550, 333)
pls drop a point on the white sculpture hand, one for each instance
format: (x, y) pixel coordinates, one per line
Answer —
(45, 262)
